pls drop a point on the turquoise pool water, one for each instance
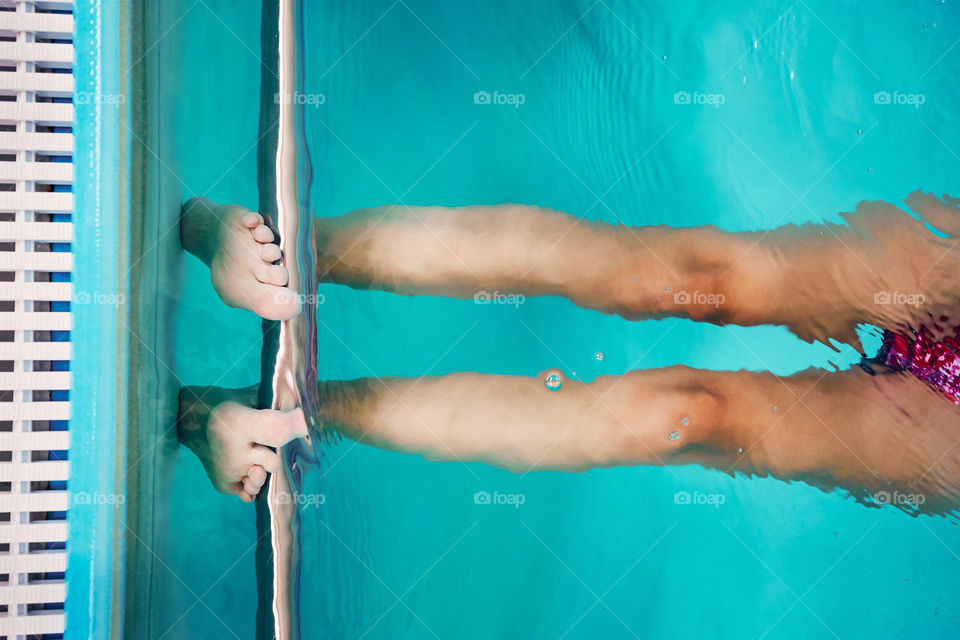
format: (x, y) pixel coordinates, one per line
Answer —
(783, 125)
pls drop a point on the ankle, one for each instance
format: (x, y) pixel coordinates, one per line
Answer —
(196, 403)
(193, 413)
(199, 228)
(344, 404)
(352, 249)
(326, 243)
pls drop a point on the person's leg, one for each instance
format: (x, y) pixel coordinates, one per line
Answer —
(849, 430)
(868, 434)
(821, 281)
(238, 247)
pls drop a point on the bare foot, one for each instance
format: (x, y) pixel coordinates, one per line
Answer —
(238, 247)
(232, 439)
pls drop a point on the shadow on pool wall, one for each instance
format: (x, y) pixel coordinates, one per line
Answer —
(194, 547)
(397, 547)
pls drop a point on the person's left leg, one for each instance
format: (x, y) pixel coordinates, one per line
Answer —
(880, 434)
(883, 433)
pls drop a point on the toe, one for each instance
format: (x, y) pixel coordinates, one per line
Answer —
(241, 493)
(271, 273)
(266, 459)
(250, 487)
(257, 475)
(269, 252)
(262, 233)
(274, 302)
(251, 219)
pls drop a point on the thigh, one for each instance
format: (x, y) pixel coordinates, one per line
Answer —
(887, 438)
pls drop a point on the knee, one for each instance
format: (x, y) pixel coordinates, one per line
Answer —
(728, 293)
(666, 412)
(693, 415)
(711, 292)
(694, 405)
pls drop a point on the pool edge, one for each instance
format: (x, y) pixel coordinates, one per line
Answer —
(100, 345)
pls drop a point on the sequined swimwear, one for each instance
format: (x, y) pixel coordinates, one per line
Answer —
(931, 357)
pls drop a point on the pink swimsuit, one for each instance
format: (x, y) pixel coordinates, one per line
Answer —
(932, 357)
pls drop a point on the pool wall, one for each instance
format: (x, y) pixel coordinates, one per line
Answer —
(152, 402)
(203, 133)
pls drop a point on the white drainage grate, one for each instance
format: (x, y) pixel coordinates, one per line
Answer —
(36, 231)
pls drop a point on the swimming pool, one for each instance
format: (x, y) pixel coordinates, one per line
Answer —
(737, 114)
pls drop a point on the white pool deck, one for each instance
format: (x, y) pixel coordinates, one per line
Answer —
(32, 71)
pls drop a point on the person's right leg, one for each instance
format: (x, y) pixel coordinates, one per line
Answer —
(820, 281)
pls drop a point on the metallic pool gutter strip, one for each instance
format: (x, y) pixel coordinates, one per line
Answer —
(288, 358)
(100, 349)
(283, 514)
(267, 187)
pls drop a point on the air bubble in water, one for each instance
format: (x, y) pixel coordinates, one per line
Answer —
(685, 421)
(674, 435)
(775, 408)
(599, 356)
(553, 382)
(859, 132)
(740, 450)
